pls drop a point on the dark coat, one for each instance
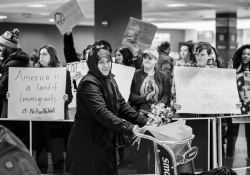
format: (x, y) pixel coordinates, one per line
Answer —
(16, 59)
(91, 142)
(69, 49)
(161, 79)
(165, 63)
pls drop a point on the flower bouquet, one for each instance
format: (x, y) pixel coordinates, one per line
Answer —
(159, 115)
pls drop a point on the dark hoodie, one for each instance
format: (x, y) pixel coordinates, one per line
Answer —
(16, 59)
(97, 122)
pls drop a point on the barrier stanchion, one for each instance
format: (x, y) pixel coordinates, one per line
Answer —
(215, 164)
(219, 142)
(30, 124)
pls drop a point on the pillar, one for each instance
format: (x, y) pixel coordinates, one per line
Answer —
(226, 35)
(116, 13)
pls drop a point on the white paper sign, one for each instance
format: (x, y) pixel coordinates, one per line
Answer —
(123, 76)
(36, 93)
(206, 90)
(68, 16)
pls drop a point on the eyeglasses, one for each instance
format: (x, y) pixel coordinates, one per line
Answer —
(44, 54)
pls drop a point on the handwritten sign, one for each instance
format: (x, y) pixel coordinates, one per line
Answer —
(139, 34)
(206, 90)
(36, 93)
(123, 76)
(68, 16)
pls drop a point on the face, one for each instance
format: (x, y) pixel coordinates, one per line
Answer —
(184, 52)
(118, 57)
(202, 58)
(245, 57)
(245, 93)
(149, 61)
(44, 57)
(104, 65)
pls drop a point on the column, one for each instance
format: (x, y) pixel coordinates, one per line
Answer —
(115, 14)
(226, 35)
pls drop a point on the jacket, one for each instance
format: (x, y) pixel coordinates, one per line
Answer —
(69, 49)
(165, 63)
(163, 82)
(92, 139)
(16, 59)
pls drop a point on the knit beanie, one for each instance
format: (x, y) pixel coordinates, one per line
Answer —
(10, 39)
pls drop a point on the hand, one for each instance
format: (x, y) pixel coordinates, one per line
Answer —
(78, 75)
(69, 31)
(135, 50)
(150, 95)
(137, 129)
(176, 106)
(230, 64)
(65, 97)
(7, 95)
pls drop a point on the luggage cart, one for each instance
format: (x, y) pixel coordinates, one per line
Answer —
(170, 159)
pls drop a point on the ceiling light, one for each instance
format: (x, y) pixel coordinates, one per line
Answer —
(37, 5)
(51, 20)
(3, 17)
(176, 5)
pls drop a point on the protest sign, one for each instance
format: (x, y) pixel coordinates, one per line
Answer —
(243, 85)
(206, 90)
(123, 76)
(68, 16)
(139, 34)
(36, 93)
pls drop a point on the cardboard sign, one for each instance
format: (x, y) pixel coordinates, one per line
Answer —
(36, 93)
(206, 90)
(68, 16)
(123, 76)
(139, 34)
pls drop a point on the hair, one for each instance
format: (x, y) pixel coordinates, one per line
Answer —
(105, 43)
(190, 46)
(85, 50)
(34, 57)
(163, 46)
(203, 45)
(54, 61)
(237, 57)
(127, 55)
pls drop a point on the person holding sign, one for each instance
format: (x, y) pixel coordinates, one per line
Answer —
(98, 130)
(240, 62)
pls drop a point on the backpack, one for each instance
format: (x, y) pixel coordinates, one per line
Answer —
(15, 158)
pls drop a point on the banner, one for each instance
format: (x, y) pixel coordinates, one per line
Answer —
(206, 90)
(68, 16)
(123, 76)
(139, 34)
(36, 93)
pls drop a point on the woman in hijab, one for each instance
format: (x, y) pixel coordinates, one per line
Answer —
(93, 138)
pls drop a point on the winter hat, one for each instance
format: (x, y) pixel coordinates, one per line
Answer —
(151, 52)
(10, 39)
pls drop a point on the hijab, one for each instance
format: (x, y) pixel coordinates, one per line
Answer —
(110, 93)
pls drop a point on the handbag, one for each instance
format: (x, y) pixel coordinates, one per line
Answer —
(216, 171)
(120, 141)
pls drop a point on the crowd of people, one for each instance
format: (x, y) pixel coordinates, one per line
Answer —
(103, 119)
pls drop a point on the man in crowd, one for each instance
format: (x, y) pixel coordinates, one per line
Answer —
(11, 55)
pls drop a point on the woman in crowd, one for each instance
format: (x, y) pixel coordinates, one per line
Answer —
(48, 59)
(93, 138)
(149, 86)
(123, 55)
(240, 62)
(187, 54)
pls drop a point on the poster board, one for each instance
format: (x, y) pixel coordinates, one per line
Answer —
(206, 90)
(123, 76)
(68, 16)
(36, 93)
(139, 34)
